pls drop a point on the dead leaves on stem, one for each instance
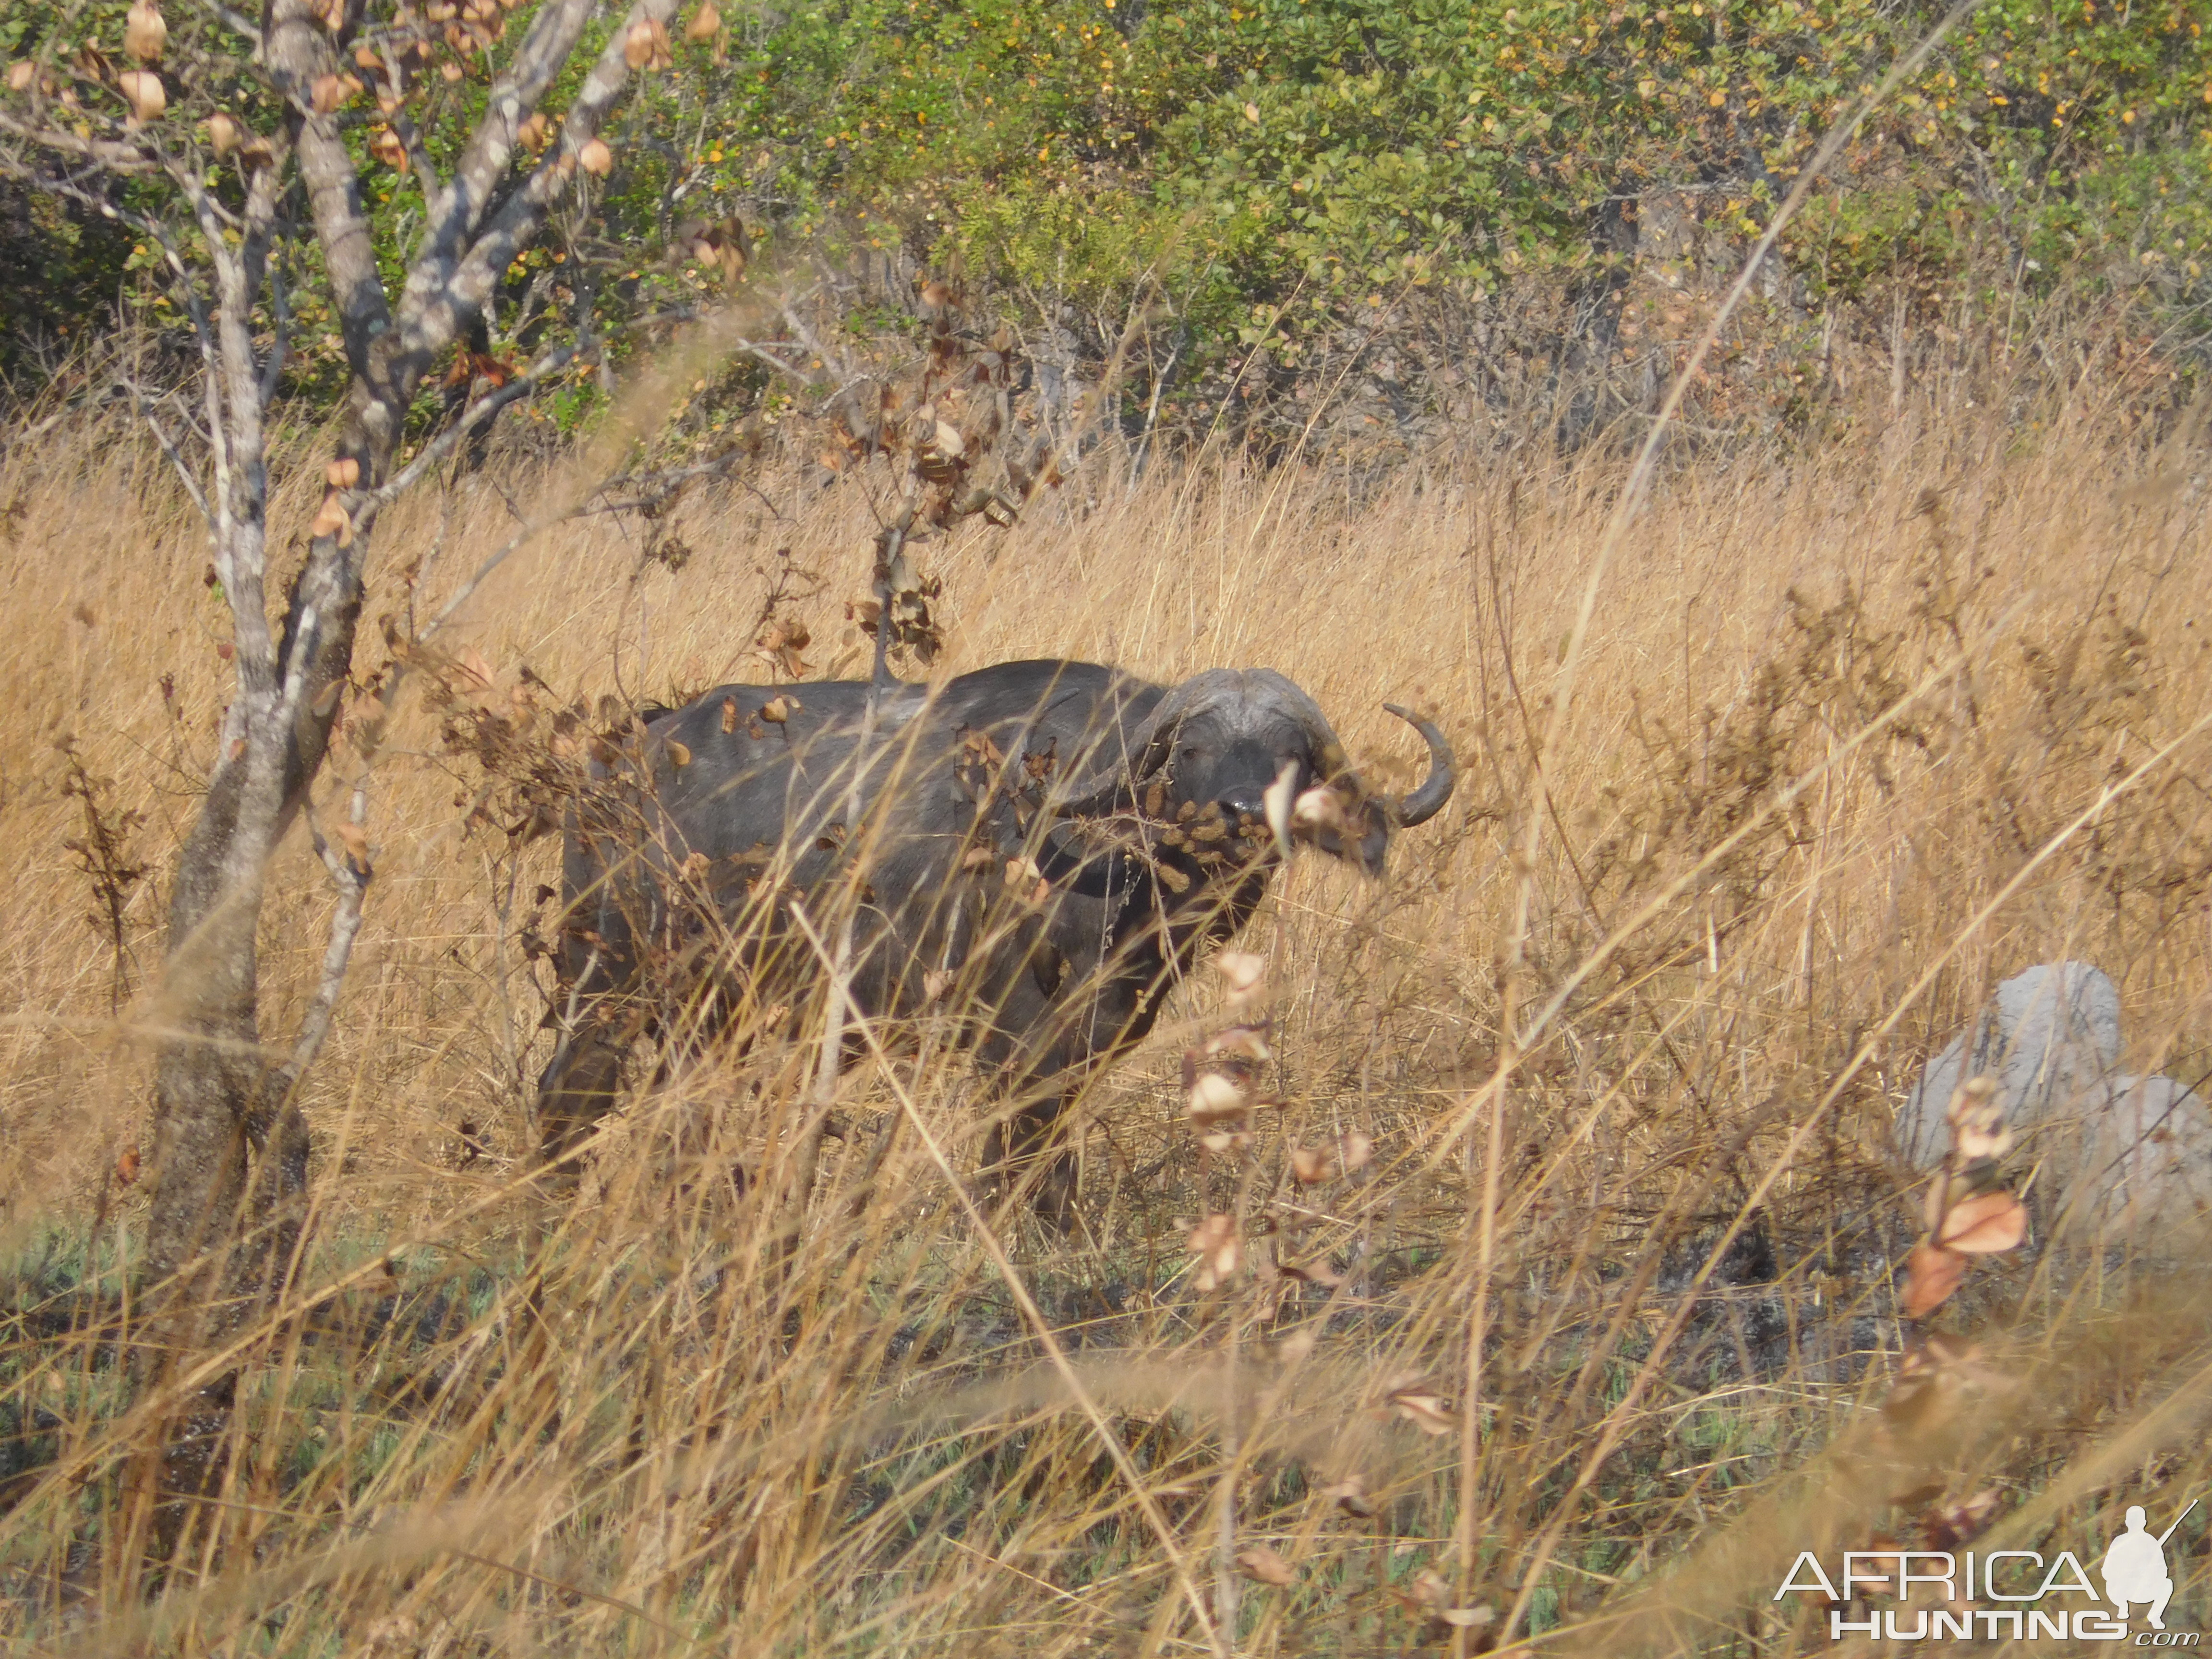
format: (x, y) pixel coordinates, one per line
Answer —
(1967, 1212)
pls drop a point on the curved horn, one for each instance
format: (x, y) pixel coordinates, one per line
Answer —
(1425, 802)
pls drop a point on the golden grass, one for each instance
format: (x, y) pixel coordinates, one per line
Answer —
(1828, 775)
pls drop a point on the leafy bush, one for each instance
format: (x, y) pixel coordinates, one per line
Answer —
(1269, 167)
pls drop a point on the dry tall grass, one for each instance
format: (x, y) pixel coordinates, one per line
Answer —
(1853, 738)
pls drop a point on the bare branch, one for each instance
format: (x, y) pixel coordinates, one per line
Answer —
(471, 417)
(297, 51)
(272, 371)
(71, 190)
(237, 21)
(111, 153)
(519, 220)
(813, 343)
(160, 436)
(418, 156)
(455, 210)
(351, 876)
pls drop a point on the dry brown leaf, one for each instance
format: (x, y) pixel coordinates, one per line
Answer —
(1354, 1150)
(535, 133)
(142, 90)
(20, 73)
(1976, 1118)
(1219, 1248)
(594, 157)
(935, 982)
(1349, 1495)
(729, 715)
(1263, 1564)
(1931, 1273)
(646, 46)
(1419, 1404)
(1309, 1167)
(678, 755)
(777, 710)
(223, 132)
(1984, 1223)
(342, 473)
(326, 92)
(332, 521)
(1245, 1043)
(126, 1166)
(385, 146)
(355, 840)
(706, 23)
(144, 32)
(1430, 1589)
(1244, 973)
(1212, 1098)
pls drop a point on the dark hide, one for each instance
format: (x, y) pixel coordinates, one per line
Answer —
(1039, 847)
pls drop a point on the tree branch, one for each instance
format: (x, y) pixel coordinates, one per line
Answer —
(351, 873)
(237, 21)
(298, 52)
(184, 473)
(458, 208)
(111, 153)
(442, 446)
(519, 218)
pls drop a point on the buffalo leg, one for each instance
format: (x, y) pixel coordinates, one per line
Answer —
(1040, 1144)
(1026, 1148)
(577, 1088)
(1070, 1032)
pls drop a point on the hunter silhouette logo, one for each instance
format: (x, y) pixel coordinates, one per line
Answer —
(2134, 1567)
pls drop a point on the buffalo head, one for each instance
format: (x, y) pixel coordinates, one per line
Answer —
(1223, 740)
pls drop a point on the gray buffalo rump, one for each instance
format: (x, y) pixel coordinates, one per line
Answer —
(1036, 848)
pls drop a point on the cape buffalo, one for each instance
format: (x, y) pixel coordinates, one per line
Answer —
(1037, 849)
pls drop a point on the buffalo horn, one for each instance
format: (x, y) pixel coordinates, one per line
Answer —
(1425, 802)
